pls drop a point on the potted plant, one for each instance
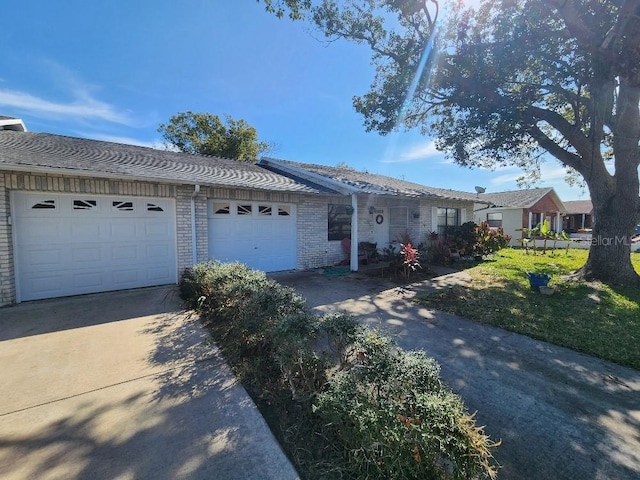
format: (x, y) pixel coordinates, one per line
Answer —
(537, 280)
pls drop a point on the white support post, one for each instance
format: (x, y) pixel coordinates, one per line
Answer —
(583, 220)
(530, 220)
(558, 222)
(354, 233)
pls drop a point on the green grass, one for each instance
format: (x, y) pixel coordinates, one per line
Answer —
(588, 317)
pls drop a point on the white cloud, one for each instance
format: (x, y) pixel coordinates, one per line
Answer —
(414, 153)
(84, 106)
(156, 144)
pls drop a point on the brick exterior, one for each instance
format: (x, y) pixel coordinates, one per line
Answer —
(313, 247)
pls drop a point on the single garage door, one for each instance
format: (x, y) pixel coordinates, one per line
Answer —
(74, 244)
(260, 234)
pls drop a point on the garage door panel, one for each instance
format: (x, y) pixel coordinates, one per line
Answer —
(84, 255)
(116, 243)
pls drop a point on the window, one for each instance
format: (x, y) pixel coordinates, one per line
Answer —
(44, 205)
(447, 217)
(264, 209)
(221, 208)
(494, 219)
(339, 222)
(398, 222)
(84, 204)
(284, 210)
(123, 206)
(152, 207)
(536, 218)
(243, 209)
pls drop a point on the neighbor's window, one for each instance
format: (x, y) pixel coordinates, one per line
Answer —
(494, 219)
(447, 217)
(339, 222)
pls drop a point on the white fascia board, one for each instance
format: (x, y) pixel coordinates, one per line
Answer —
(13, 124)
(314, 177)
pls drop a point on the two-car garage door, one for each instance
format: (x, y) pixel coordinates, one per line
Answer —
(73, 244)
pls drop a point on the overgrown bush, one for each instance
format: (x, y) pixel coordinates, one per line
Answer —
(387, 410)
(397, 420)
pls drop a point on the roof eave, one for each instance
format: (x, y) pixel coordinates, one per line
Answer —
(285, 169)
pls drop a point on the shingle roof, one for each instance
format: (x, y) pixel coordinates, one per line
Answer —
(516, 199)
(578, 206)
(43, 152)
(365, 182)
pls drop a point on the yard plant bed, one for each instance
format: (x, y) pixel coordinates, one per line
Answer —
(593, 318)
(343, 400)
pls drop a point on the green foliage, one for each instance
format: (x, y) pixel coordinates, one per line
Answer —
(206, 134)
(398, 421)
(477, 240)
(509, 83)
(388, 411)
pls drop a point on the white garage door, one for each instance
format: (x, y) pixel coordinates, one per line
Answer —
(259, 234)
(73, 244)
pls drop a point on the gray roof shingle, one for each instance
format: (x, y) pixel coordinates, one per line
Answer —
(578, 206)
(515, 199)
(372, 183)
(43, 152)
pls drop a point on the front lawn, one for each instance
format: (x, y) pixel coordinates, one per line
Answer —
(587, 317)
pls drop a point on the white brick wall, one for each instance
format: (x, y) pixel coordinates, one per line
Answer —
(313, 247)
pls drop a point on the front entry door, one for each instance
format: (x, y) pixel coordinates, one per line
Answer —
(381, 227)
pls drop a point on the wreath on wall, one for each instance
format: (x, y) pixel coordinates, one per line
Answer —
(379, 219)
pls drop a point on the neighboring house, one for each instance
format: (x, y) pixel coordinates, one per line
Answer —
(579, 216)
(514, 210)
(83, 216)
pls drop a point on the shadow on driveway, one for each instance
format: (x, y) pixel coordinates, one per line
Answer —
(124, 393)
(560, 414)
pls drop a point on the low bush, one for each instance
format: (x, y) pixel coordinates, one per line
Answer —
(381, 412)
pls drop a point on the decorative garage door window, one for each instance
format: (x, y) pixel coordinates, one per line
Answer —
(264, 209)
(244, 210)
(44, 205)
(84, 204)
(284, 210)
(123, 206)
(222, 208)
(152, 207)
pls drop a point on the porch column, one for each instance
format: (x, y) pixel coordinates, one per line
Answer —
(354, 233)
(583, 220)
(558, 222)
(530, 220)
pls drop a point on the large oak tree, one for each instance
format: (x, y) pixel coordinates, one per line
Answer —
(207, 134)
(511, 82)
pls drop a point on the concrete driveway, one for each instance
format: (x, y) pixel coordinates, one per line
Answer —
(124, 385)
(560, 414)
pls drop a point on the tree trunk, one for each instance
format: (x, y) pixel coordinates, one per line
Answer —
(616, 215)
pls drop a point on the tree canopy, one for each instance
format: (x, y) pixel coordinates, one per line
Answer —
(207, 134)
(510, 82)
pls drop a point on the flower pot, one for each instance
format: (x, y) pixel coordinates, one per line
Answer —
(537, 280)
(547, 290)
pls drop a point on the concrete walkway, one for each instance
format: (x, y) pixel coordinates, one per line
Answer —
(124, 385)
(560, 414)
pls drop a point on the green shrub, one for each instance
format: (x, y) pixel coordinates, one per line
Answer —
(391, 415)
(398, 421)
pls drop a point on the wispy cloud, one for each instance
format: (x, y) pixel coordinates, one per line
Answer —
(414, 153)
(83, 106)
(548, 174)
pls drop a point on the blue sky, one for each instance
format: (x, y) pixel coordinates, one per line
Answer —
(115, 70)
